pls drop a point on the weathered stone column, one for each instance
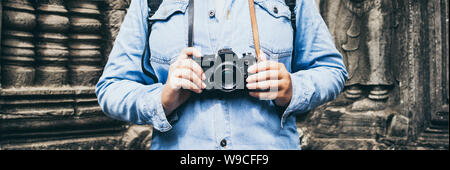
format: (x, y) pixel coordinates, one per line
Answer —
(85, 43)
(423, 43)
(17, 58)
(52, 49)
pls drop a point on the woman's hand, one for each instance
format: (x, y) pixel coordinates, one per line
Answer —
(185, 76)
(273, 77)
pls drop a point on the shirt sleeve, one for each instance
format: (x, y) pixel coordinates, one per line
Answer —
(124, 92)
(318, 72)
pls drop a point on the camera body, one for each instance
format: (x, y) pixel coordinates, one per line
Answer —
(226, 72)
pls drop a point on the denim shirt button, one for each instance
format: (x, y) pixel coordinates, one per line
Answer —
(275, 10)
(212, 13)
(223, 143)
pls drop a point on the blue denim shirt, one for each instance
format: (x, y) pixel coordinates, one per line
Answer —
(203, 122)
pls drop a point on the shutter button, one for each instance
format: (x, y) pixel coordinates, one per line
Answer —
(212, 13)
(223, 143)
(275, 9)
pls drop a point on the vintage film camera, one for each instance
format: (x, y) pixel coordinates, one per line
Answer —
(226, 72)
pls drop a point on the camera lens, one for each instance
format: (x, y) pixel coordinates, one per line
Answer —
(228, 79)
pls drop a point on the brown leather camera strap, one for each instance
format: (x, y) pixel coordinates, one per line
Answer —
(254, 28)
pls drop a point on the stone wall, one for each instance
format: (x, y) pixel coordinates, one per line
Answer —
(396, 53)
(52, 54)
(114, 13)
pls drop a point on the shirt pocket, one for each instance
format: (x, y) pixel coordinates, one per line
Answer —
(275, 29)
(169, 31)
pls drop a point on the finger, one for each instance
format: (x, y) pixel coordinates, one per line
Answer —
(263, 66)
(265, 75)
(187, 85)
(189, 75)
(264, 85)
(191, 51)
(192, 65)
(264, 95)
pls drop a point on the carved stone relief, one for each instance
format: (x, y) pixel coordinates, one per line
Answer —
(363, 32)
(396, 52)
